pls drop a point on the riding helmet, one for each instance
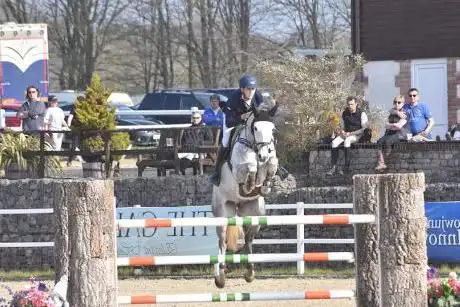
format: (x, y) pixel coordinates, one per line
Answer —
(248, 81)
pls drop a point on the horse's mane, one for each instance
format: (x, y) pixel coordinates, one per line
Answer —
(267, 104)
(262, 115)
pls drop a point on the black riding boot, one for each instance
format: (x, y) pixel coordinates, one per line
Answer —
(221, 157)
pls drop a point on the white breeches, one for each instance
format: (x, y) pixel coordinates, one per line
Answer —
(225, 133)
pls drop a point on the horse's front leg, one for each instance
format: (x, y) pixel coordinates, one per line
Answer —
(249, 234)
(246, 176)
(272, 167)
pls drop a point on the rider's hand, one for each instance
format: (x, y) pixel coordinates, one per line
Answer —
(245, 116)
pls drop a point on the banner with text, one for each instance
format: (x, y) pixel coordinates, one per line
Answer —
(175, 241)
(443, 235)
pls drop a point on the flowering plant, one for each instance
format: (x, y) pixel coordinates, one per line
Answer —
(35, 295)
(442, 292)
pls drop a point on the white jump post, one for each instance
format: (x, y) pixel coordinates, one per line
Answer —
(300, 239)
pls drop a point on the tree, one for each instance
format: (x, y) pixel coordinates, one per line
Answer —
(94, 114)
(21, 11)
(311, 90)
(82, 30)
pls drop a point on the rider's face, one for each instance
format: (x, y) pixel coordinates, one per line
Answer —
(248, 93)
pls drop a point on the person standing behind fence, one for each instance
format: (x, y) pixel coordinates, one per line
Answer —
(213, 115)
(32, 111)
(55, 120)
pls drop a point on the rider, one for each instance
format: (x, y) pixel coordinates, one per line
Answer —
(237, 109)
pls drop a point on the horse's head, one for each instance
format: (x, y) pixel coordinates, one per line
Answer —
(263, 131)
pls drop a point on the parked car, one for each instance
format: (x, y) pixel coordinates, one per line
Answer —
(12, 121)
(141, 137)
(174, 100)
(138, 138)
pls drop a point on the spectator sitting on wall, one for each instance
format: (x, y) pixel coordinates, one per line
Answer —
(396, 130)
(419, 116)
(32, 111)
(213, 115)
(453, 134)
(197, 134)
(354, 123)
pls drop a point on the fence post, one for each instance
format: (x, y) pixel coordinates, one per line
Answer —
(300, 239)
(108, 162)
(41, 167)
(91, 249)
(391, 257)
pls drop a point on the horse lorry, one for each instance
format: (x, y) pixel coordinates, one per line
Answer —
(23, 62)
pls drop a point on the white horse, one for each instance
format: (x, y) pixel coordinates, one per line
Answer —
(243, 185)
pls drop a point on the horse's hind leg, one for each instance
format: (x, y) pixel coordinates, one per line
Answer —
(253, 208)
(223, 210)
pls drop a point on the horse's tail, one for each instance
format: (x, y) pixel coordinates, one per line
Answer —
(232, 235)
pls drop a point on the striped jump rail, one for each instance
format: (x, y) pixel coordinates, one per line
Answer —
(237, 297)
(325, 219)
(243, 258)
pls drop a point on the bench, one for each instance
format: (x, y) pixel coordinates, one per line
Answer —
(165, 156)
(207, 153)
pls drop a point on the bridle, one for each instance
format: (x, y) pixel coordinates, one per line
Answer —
(255, 146)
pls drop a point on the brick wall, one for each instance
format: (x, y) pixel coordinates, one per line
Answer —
(440, 161)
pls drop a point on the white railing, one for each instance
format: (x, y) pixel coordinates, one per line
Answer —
(23, 212)
(300, 240)
(137, 112)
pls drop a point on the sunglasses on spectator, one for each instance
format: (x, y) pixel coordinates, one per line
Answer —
(413, 95)
(31, 92)
(196, 117)
(398, 102)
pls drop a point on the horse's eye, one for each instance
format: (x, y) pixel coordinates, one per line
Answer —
(255, 128)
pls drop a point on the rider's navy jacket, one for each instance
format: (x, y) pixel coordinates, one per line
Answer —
(235, 107)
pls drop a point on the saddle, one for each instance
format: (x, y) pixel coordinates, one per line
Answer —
(234, 134)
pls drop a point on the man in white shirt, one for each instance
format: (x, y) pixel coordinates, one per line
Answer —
(55, 121)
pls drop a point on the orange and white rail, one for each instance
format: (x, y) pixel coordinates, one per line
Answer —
(236, 297)
(242, 258)
(325, 219)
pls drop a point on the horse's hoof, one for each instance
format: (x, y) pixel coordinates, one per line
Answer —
(249, 276)
(220, 281)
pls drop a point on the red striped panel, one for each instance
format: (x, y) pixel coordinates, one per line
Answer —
(335, 220)
(147, 299)
(317, 295)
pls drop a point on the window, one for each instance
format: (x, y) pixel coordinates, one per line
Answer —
(172, 102)
(188, 102)
(152, 102)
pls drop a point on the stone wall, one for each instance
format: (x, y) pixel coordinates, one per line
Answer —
(168, 191)
(440, 161)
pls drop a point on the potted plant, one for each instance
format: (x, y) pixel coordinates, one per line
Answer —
(18, 166)
(94, 116)
(442, 292)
